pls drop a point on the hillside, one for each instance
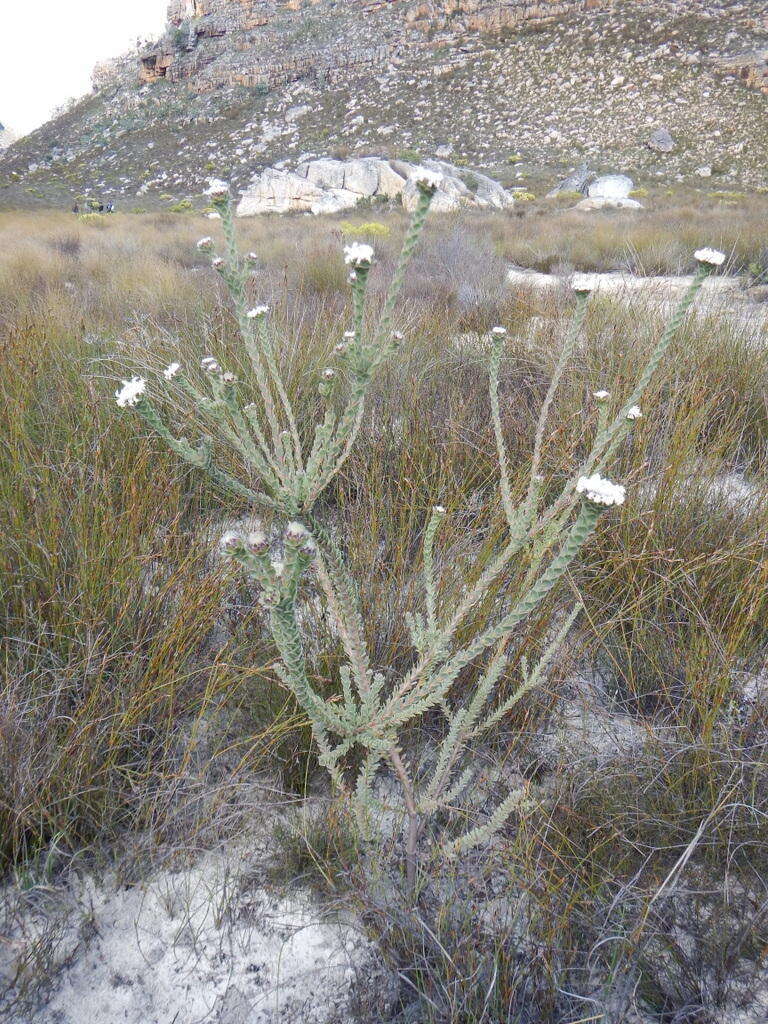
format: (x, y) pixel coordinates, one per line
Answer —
(519, 88)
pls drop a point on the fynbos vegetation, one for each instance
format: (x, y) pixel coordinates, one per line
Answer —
(361, 725)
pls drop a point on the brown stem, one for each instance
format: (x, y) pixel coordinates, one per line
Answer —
(414, 824)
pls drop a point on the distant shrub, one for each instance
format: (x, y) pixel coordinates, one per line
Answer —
(371, 229)
(93, 220)
(183, 206)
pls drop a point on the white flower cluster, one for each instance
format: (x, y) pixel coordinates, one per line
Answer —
(205, 244)
(256, 312)
(131, 391)
(209, 364)
(634, 413)
(217, 189)
(713, 257)
(170, 371)
(499, 332)
(601, 396)
(429, 181)
(601, 491)
(358, 255)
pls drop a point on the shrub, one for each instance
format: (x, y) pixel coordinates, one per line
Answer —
(361, 727)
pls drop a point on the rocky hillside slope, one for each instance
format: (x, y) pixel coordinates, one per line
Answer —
(520, 87)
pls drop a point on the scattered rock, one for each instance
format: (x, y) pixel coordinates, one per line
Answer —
(661, 141)
(703, 172)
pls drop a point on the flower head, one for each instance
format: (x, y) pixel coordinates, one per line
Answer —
(170, 371)
(217, 190)
(350, 335)
(258, 542)
(713, 257)
(584, 283)
(217, 263)
(600, 491)
(358, 255)
(205, 244)
(329, 373)
(209, 364)
(427, 181)
(438, 510)
(231, 541)
(296, 533)
(601, 396)
(499, 332)
(131, 392)
(257, 311)
(252, 258)
(634, 413)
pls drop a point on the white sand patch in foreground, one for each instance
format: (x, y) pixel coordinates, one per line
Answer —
(192, 946)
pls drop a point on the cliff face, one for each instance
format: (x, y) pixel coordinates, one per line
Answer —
(264, 43)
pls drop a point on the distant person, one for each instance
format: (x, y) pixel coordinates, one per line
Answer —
(76, 208)
(101, 207)
(110, 207)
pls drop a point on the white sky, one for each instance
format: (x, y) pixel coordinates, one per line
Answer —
(48, 49)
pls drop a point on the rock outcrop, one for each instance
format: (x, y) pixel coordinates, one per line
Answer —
(329, 186)
(214, 43)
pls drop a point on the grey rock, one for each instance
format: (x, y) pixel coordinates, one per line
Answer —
(330, 186)
(362, 176)
(608, 203)
(661, 141)
(576, 182)
(610, 186)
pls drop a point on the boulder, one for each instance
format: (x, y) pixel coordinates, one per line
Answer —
(661, 141)
(331, 186)
(608, 203)
(362, 176)
(334, 201)
(325, 173)
(391, 184)
(610, 186)
(443, 202)
(576, 182)
(275, 191)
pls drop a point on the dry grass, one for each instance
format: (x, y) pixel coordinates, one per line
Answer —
(136, 696)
